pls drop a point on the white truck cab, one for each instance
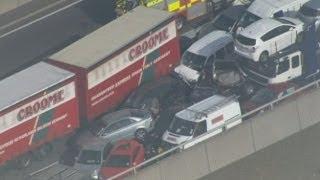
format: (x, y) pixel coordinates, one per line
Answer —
(279, 70)
(212, 115)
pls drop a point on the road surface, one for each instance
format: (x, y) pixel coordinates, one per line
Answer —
(42, 38)
(295, 158)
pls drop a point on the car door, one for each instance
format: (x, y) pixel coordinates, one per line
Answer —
(127, 128)
(296, 68)
(283, 72)
(112, 132)
(286, 36)
(269, 42)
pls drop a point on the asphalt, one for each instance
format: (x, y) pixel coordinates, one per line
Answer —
(38, 40)
(295, 158)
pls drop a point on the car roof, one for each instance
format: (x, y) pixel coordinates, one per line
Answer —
(266, 8)
(210, 43)
(135, 114)
(313, 4)
(124, 147)
(260, 27)
(234, 11)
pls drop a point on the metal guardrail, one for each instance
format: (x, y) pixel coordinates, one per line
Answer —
(179, 148)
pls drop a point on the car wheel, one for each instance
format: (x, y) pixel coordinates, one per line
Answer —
(264, 56)
(141, 134)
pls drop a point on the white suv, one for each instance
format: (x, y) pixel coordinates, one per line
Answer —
(267, 36)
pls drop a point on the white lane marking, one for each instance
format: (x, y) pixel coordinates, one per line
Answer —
(43, 169)
(41, 18)
(31, 14)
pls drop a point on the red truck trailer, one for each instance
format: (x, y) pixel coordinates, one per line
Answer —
(111, 62)
(37, 105)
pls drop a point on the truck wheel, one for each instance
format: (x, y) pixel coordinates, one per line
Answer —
(180, 21)
(43, 151)
(264, 56)
(24, 161)
(141, 135)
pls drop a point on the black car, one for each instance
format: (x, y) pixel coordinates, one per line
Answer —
(225, 21)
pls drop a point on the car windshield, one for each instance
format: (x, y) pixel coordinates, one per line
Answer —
(182, 127)
(309, 11)
(194, 61)
(224, 22)
(247, 19)
(117, 161)
(89, 157)
(246, 41)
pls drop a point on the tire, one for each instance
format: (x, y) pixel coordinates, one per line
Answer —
(180, 22)
(43, 151)
(141, 135)
(23, 161)
(264, 56)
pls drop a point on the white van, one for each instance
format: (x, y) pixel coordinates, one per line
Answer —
(216, 112)
(269, 9)
(202, 54)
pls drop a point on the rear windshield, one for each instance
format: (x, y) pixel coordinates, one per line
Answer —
(246, 41)
(308, 11)
(118, 161)
(284, 21)
(89, 157)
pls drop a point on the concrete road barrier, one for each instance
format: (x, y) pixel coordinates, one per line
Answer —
(270, 127)
(309, 109)
(230, 146)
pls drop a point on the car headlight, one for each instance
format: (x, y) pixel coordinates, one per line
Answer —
(95, 175)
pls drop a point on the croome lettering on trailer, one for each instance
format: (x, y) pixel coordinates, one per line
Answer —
(41, 104)
(148, 43)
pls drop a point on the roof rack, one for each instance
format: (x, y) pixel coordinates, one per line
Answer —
(204, 113)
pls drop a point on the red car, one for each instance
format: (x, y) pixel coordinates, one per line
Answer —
(124, 155)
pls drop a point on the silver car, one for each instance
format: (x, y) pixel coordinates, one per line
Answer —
(91, 156)
(122, 124)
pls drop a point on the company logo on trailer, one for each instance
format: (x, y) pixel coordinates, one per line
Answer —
(148, 43)
(40, 105)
